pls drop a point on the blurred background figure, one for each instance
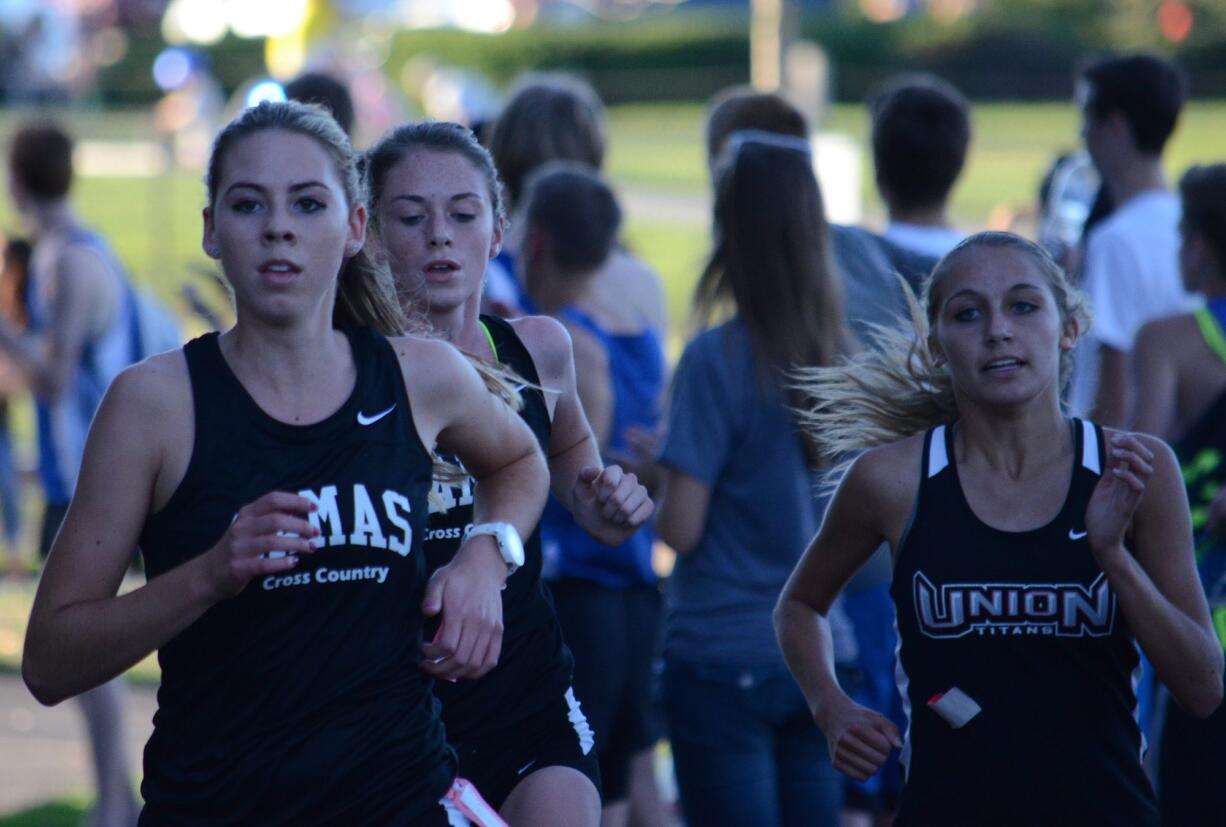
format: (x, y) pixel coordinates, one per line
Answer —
(607, 598)
(864, 262)
(82, 331)
(739, 495)
(327, 91)
(14, 287)
(557, 117)
(1180, 373)
(921, 133)
(1130, 107)
(867, 268)
(40, 53)
(1067, 196)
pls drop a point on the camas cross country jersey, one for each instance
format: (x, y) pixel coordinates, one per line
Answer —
(301, 700)
(535, 666)
(1025, 624)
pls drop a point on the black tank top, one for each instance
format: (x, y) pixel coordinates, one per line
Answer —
(1026, 624)
(300, 701)
(535, 666)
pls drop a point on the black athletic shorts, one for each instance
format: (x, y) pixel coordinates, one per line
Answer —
(613, 636)
(557, 736)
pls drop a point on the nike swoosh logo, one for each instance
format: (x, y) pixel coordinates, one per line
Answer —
(363, 419)
(1073, 534)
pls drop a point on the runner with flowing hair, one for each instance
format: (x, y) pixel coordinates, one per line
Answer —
(1034, 554)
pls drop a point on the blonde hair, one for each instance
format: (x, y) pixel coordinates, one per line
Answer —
(896, 388)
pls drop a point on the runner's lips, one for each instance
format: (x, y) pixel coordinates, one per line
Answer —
(441, 265)
(279, 266)
(1003, 363)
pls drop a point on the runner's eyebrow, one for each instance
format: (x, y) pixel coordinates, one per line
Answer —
(421, 199)
(970, 291)
(302, 185)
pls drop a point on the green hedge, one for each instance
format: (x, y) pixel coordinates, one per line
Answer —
(1001, 55)
(130, 81)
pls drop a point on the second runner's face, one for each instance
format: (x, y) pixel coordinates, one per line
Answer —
(437, 227)
(281, 224)
(999, 329)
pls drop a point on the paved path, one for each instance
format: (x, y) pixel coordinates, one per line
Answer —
(43, 754)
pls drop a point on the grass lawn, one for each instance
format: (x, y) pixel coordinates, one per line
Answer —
(661, 145)
(154, 223)
(64, 812)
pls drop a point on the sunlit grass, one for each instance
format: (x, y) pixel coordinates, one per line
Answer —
(69, 811)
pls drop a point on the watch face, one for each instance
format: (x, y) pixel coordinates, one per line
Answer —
(509, 544)
(512, 546)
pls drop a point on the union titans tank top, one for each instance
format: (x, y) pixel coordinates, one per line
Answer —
(1026, 625)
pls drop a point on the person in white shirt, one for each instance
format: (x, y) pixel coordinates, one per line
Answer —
(1130, 107)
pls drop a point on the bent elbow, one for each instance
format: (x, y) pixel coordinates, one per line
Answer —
(780, 619)
(1212, 697)
(1203, 699)
(681, 542)
(1204, 705)
(44, 691)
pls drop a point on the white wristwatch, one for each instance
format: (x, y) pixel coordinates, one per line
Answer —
(509, 544)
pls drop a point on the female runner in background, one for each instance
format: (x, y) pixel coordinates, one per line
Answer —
(519, 732)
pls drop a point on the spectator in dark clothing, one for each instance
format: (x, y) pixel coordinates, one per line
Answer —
(921, 132)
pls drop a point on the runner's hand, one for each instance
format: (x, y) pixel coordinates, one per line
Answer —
(858, 738)
(275, 522)
(1116, 496)
(610, 504)
(467, 592)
